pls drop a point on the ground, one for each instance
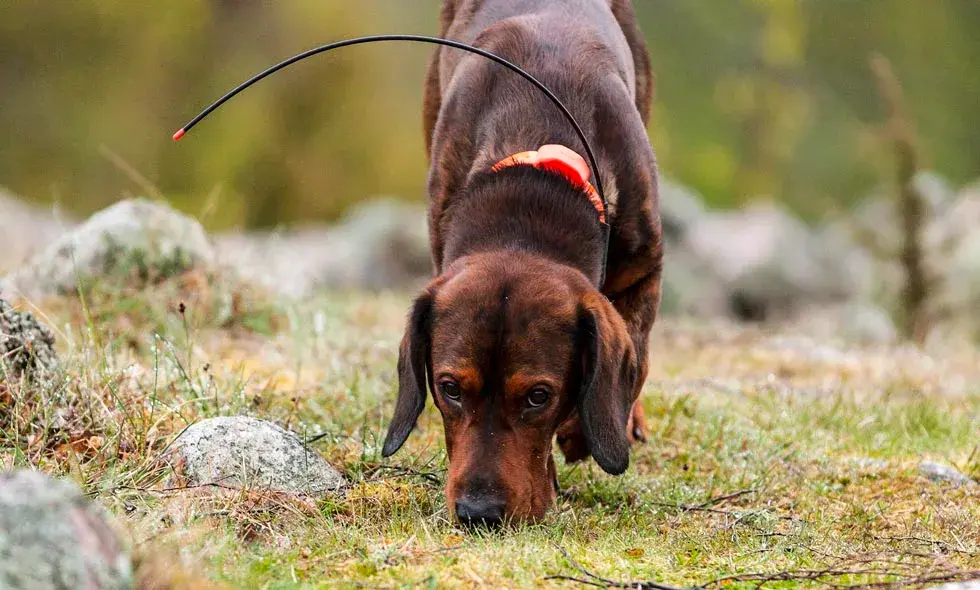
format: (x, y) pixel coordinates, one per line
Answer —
(768, 453)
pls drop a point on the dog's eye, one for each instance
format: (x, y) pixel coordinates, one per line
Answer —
(450, 389)
(538, 397)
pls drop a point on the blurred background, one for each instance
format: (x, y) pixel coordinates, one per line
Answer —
(769, 103)
(754, 99)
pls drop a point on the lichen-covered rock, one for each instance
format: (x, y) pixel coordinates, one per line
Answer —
(26, 345)
(243, 452)
(133, 239)
(940, 472)
(51, 536)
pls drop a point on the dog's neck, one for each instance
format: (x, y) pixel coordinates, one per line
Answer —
(524, 209)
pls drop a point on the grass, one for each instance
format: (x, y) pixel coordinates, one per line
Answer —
(772, 456)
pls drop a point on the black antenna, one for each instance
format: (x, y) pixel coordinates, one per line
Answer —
(593, 163)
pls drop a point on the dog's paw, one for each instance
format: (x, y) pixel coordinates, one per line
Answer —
(637, 424)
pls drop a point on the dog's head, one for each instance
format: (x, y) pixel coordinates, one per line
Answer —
(510, 344)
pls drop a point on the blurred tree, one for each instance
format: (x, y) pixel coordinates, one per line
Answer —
(754, 98)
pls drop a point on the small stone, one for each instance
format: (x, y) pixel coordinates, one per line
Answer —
(26, 345)
(971, 585)
(244, 452)
(51, 536)
(133, 239)
(940, 472)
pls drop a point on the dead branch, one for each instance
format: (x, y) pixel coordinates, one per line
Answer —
(911, 203)
(731, 513)
(828, 576)
(945, 545)
(598, 581)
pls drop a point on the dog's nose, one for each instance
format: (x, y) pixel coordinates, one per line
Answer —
(473, 512)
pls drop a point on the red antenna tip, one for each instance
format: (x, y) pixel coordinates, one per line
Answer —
(180, 133)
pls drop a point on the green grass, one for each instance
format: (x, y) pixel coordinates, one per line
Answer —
(757, 460)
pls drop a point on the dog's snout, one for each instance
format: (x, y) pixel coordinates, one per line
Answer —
(479, 511)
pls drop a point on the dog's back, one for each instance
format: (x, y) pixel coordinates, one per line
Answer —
(591, 54)
(544, 36)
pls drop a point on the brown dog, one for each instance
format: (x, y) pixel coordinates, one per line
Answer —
(513, 337)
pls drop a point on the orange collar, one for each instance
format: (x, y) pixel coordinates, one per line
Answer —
(564, 161)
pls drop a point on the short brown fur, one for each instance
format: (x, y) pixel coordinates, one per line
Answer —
(513, 315)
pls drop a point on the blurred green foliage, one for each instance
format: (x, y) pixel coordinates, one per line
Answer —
(755, 99)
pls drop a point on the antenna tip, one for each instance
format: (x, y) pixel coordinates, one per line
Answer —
(180, 133)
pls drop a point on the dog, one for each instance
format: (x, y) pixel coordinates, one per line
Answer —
(514, 337)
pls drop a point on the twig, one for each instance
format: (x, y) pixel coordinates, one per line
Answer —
(718, 500)
(790, 576)
(429, 476)
(911, 203)
(945, 544)
(732, 513)
(134, 175)
(188, 488)
(582, 581)
(595, 580)
(901, 579)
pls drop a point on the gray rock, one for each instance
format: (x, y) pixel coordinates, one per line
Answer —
(285, 262)
(940, 472)
(51, 536)
(680, 208)
(959, 258)
(691, 286)
(382, 244)
(26, 345)
(972, 585)
(134, 238)
(25, 230)
(244, 452)
(850, 264)
(769, 262)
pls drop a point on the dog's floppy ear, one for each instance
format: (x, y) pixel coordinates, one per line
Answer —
(608, 381)
(413, 355)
